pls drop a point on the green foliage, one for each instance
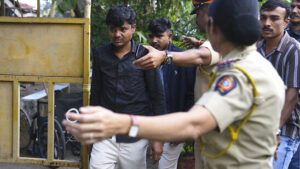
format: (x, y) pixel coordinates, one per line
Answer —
(146, 10)
(188, 148)
(64, 5)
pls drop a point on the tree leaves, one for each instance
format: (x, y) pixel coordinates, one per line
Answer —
(178, 11)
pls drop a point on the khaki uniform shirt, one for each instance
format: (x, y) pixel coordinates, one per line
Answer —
(201, 86)
(256, 142)
(202, 75)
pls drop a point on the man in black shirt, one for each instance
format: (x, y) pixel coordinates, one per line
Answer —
(119, 85)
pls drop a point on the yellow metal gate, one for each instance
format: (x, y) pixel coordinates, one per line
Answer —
(45, 50)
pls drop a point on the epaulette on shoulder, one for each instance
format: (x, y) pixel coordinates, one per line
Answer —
(225, 65)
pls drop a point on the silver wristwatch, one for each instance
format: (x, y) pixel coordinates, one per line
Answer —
(169, 58)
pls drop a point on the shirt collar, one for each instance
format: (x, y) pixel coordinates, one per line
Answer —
(240, 52)
(281, 46)
(289, 30)
(170, 46)
(134, 46)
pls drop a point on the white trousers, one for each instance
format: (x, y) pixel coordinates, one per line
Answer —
(170, 155)
(108, 154)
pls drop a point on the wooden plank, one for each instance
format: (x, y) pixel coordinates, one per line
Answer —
(6, 121)
(16, 119)
(41, 49)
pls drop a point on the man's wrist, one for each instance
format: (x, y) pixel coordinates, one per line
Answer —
(278, 132)
(125, 124)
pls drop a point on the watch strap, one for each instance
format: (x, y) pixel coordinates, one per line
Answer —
(134, 120)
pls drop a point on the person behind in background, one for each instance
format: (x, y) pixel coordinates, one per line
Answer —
(294, 31)
(122, 87)
(178, 83)
(236, 118)
(283, 52)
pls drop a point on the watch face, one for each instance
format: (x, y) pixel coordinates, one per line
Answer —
(133, 131)
(169, 60)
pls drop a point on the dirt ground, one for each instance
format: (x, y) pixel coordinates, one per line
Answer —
(27, 166)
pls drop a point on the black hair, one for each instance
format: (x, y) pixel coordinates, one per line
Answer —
(237, 20)
(118, 15)
(270, 5)
(159, 25)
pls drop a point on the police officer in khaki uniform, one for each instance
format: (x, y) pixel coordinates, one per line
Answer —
(236, 118)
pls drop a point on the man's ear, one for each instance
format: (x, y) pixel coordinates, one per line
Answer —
(133, 28)
(286, 21)
(170, 36)
(210, 25)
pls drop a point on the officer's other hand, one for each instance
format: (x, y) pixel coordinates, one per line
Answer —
(190, 42)
(155, 151)
(153, 59)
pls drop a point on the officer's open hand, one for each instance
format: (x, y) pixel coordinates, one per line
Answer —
(95, 124)
(153, 59)
(190, 42)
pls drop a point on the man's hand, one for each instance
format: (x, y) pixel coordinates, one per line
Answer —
(152, 60)
(155, 151)
(89, 148)
(278, 143)
(191, 42)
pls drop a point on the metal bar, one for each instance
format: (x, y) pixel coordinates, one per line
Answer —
(38, 12)
(39, 161)
(16, 119)
(86, 84)
(50, 143)
(2, 13)
(41, 79)
(44, 20)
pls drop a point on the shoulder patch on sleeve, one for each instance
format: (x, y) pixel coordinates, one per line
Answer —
(225, 84)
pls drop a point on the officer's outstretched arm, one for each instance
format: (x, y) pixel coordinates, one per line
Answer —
(97, 123)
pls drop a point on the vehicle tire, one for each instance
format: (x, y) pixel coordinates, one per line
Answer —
(25, 123)
(59, 141)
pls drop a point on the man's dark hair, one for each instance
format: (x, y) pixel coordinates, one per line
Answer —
(270, 5)
(160, 25)
(118, 15)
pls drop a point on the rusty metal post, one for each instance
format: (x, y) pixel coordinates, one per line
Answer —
(2, 11)
(38, 12)
(86, 87)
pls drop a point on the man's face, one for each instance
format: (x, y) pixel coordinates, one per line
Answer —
(160, 41)
(120, 36)
(201, 19)
(295, 15)
(273, 22)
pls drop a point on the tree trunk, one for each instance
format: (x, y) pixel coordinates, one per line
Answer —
(126, 2)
